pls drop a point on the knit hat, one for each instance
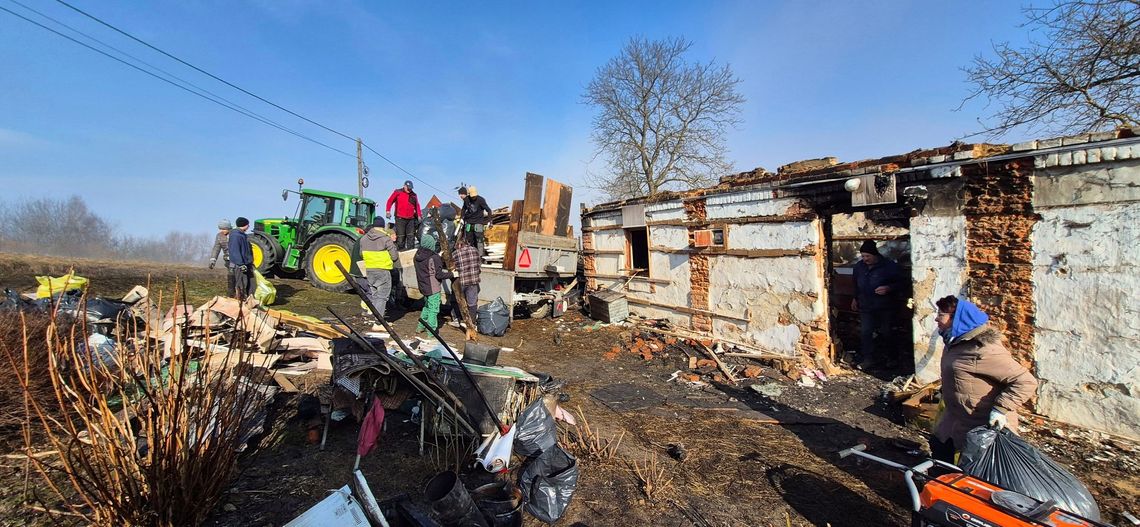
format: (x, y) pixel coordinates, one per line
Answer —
(869, 247)
(241, 222)
(225, 225)
(428, 242)
(378, 222)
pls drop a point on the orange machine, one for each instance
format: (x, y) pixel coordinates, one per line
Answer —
(956, 499)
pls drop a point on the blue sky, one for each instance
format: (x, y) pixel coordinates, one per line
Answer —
(452, 91)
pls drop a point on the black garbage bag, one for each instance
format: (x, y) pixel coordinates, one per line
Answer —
(494, 318)
(1002, 458)
(548, 482)
(12, 301)
(535, 431)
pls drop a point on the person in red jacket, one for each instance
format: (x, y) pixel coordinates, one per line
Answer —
(407, 215)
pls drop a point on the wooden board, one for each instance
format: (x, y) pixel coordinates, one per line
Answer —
(532, 203)
(550, 207)
(562, 217)
(513, 234)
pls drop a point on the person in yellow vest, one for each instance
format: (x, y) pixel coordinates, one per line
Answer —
(378, 255)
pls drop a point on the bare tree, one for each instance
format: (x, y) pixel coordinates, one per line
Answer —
(661, 121)
(1082, 74)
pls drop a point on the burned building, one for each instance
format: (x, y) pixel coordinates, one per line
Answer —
(1043, 235)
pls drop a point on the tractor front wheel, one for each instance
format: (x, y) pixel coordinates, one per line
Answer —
(321, 259)
(265, 253)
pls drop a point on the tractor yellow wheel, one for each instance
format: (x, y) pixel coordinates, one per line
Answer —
(322, 258)
(258, 254)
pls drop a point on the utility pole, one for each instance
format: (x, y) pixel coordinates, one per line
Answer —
(359, 168)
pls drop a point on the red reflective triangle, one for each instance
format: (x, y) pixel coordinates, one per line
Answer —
(524, 258)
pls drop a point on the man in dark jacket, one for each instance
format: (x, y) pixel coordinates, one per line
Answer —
(241, 258)
(407, 215)
(430, 273)
(475, 216)
(877, 282)
(222, 248)
(378, 256)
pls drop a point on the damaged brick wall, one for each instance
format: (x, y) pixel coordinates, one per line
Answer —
(698, 269)
(999, 251)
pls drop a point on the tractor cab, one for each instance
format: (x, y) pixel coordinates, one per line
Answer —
(322, 233)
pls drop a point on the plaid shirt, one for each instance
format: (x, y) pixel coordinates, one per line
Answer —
(467, 261)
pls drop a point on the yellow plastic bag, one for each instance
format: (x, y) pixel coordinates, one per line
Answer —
(53, 286)
(265, 293)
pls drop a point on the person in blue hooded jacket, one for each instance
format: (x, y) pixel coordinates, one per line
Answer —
(982, 384)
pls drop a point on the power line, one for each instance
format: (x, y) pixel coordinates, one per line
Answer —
(175, 84)
(204, 72)
(152, 66)
(401, 169)
(219, 79)
(243, 90)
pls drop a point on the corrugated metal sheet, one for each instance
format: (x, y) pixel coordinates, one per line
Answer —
(633, 216)
(663, 206)
(739, 197)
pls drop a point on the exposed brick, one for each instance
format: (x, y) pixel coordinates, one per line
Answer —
(999, 252)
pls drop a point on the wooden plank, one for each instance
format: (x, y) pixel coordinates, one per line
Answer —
(532, 203)
(513, 235)
(562, 217)
(550, 207)
(286, 385)
(321, 330)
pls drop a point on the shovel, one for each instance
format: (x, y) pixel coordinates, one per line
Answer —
(495, 453)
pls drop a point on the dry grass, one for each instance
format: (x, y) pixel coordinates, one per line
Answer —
(653, 478)
(587, 442)
(161, 459)
(14, 328)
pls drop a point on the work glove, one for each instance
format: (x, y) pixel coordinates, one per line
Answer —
(243, 268)
(388, 214)
(212, 262)
(998, 420)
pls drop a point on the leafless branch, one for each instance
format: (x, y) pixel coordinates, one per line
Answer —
(1081, 74)
(661, 120)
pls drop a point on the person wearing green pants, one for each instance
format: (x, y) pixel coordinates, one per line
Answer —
(430, 274)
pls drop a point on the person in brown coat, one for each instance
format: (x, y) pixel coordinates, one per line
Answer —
(981, 382)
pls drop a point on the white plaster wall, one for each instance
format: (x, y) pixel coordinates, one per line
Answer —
(1086, 273)
(680, 319)
(675, 269)
(607, 264)
(762, 290)
(744, 204)
(609, 240)
(791, 236)
(938, 259)
(673, 237)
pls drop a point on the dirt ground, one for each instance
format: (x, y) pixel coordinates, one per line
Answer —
(740, 468)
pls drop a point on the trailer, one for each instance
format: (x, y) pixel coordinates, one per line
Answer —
(533, 262)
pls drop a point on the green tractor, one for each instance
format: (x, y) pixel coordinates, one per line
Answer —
(323, 232)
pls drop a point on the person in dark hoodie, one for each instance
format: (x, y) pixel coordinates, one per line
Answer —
(475, 215)
(378, 254)
(982, 384)
(241, 259)
(430, 273)
(877, 282)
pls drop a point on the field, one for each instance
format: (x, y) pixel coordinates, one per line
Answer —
(742, 467)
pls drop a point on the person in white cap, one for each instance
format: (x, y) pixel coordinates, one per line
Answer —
(221, 248)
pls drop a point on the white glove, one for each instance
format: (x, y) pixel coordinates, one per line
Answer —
(998, 419)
